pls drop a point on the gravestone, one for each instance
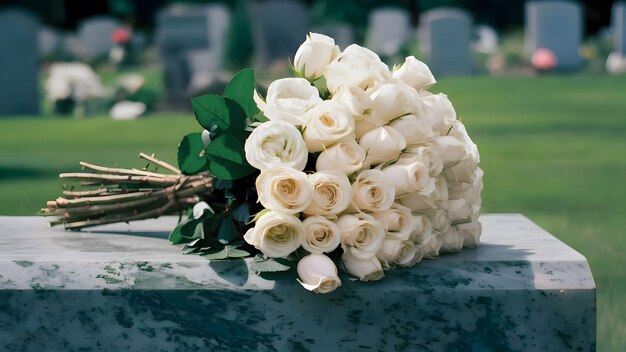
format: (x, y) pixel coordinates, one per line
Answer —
(95, 35)
(342, 33)
(388, 30)
(557, 26)
(19, 66)
(49, 40)
(182, 32)
(124, 287)
(618, 27)
(445, 36)
(279, 27)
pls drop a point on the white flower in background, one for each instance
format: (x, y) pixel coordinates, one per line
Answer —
(450, 149)
(414, 128)
(74, 80)
(372, 191)
(326, 124)
(332, 193)
(276, 234)
(414, 73)
(321, 235)
(451, 240)
(361, 234)
(366, 269)
(127, 110)
(393, 99)
(200, 208)
(438, 108)
(315, 54)
(353, 99)
(288, 99)
(410, 175)
(428, 155)
(131, 82)
(459, 209)
(355, 66)
(430, 244)
(394, 252)
(382, 144)
(318, 273)
(471, 233)
(274, 144)
(284, 189)
(419, 202)
(397, 222)
(346, 157)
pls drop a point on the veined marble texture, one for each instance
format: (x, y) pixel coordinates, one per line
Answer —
(124, 287)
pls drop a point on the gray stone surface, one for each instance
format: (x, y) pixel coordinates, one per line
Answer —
(279, 27)
(558, 26)
(95, 35)
(19, 63)
(182, 32)
(618, 27)
(124, 287)
(48, 41)
(445, 37)
(388, 30)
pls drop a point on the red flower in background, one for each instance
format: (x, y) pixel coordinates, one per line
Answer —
(121, 36)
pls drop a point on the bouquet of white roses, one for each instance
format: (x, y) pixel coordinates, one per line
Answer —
(349, 164)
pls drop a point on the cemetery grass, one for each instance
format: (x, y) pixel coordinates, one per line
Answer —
(552, 147)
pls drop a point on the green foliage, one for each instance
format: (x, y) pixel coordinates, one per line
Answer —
(239, 43)
(262, 264)
(214, 111)
(190, 158)
(241, 90)
(226, 252)
(227, 158)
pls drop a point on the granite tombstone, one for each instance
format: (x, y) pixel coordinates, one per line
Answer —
(342, 33)
(95, 36)
(388, 30)
(618, 27)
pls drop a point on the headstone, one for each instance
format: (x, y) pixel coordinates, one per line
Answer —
(445, 36)
(19, 63)
(486, 39)
(95, 35)
(556, 26)
(279, 27)
(618, 27)
(124, 287)
(49, 41)
(388, 30)
(341, 32)
(183, 30)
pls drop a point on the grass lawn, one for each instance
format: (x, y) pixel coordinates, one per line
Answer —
(553, 148)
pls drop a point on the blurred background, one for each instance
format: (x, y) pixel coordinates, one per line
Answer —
(540, 85)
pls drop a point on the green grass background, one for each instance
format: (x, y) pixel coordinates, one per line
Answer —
(552, 147)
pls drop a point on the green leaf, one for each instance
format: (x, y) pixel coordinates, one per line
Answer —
(228, 251)
(258, 215)
(227, 158)
(190, 158)
(242, 213)
(186, 231)
(226, 113)
(228, 231)
(241, 89)
(263, 264)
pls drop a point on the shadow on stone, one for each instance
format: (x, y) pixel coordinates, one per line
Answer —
(234, 271)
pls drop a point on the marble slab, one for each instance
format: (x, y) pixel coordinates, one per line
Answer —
(124, 287)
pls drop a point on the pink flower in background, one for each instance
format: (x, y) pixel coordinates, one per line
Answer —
(121, 36)
(543, 59)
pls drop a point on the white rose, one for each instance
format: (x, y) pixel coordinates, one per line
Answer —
(450, 149)
(361, 234)
(321, 236)
(326, 123)
(463, 171)
(430, 244)
(414, 73)
(414, 129)
(438, 108)
(459, 132)
(355, 66)
(284, 189)
(366, 269)
(439, 218)
(437, 198)
(346, 157)
(364, 124)
(276, 234)
(382, 144)
(397, 222)
(394, 252)
(408, 176)
(315, 54)
(459, 209)
(372, 191)
(393, 99)
(274, 144)
(353, 99)
(428, 156)
(332, 193)
(421, 228)
(451, 240)
(318, 273)
(471, 233)
(288, 99)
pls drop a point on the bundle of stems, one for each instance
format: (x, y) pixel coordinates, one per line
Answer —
(108, 195)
